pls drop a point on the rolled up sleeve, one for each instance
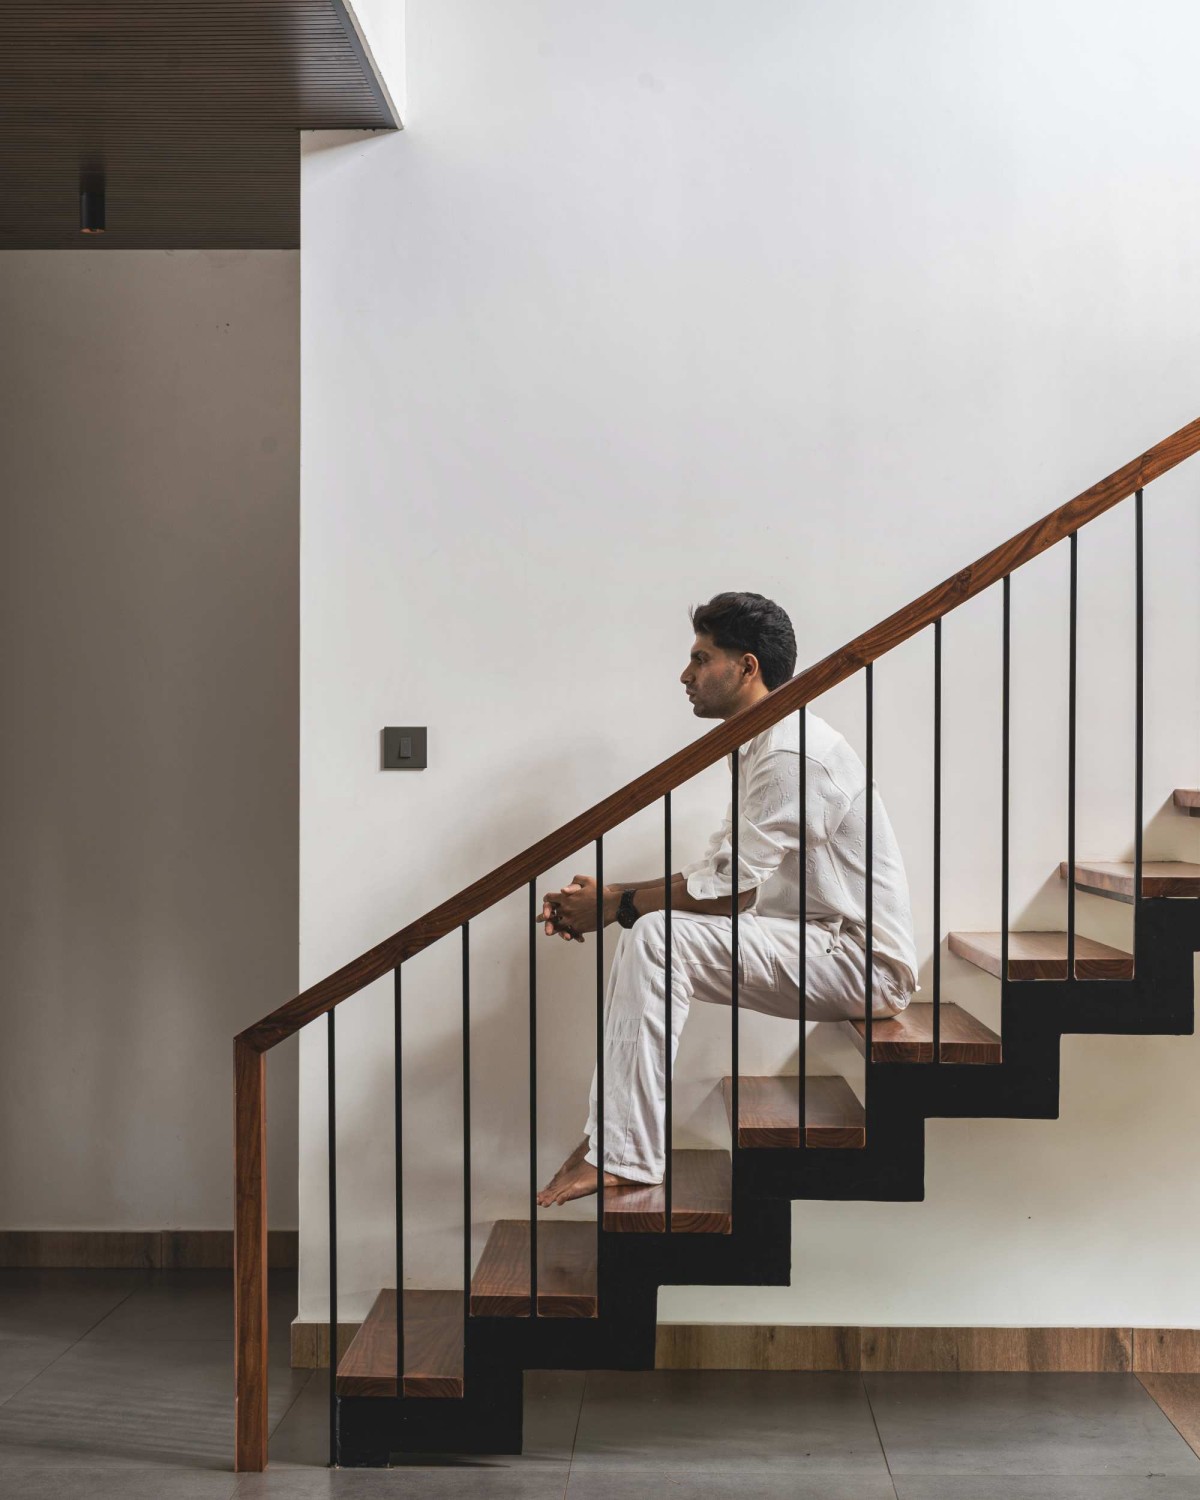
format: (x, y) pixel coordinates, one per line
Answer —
(767, 828)
(702, 874)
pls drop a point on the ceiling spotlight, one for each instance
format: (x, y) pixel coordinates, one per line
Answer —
(91, 207)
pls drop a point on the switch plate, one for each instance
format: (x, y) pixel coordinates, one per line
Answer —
(405, 749)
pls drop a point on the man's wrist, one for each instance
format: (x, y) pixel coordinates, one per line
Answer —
(612, 899)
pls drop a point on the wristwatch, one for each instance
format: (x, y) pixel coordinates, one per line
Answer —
(627, 913)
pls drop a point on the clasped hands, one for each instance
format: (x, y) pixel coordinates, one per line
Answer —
(572, 911)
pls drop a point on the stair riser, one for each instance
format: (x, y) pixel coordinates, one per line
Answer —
(850, 1139)
(1049, 969)
(1125, 897)
(951, 1052)
(518, 1307)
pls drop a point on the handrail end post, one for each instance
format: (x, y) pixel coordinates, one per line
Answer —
(250, 1257)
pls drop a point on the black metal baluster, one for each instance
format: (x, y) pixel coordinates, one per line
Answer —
(802, 1039)
(331, 1106)
(600, 1138)
(1072, 681)
(869, 898)
(937, 841)
(1004, 789)
(533, 1219)
(466, 1101)
(668, 1060)
(398, 1130)
(1138, 707)
(735, 975)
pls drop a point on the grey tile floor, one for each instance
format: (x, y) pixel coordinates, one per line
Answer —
(117, 1386)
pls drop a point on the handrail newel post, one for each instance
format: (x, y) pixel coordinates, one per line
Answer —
(250, 1257)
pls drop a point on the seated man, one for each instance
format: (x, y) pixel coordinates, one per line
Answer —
(744, 647)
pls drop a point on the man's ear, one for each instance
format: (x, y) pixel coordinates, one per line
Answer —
(750, 664)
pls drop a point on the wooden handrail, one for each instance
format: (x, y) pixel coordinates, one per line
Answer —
(253, 1043)
(704, 752)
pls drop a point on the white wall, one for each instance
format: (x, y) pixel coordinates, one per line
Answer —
(149, 413)
(822, 301)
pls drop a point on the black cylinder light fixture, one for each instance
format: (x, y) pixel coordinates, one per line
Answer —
(91, 206)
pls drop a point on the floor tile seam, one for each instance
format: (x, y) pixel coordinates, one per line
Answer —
(879, 1436)
(276, 1346)
(132, 1292)
(575, 1435)
(1166, 1413)
(271, 1431)
(62, 1353)
(828, 1473)
(907, 1476)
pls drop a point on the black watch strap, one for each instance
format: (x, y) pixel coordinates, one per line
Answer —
(627, 912)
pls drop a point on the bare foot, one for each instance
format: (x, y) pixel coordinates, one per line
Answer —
(549, 1194)
(576, 1179)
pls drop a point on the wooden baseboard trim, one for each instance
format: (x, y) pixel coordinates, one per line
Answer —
(755, 1346)
(1178, 1397)
(1167, 1351)
(310, 1343)
(764, 1346)
(1109, 1350)
(137, 1249)
(745, 1346)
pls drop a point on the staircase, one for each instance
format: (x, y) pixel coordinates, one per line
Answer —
(443, 1370)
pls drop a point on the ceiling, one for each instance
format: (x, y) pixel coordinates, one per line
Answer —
(189, 109)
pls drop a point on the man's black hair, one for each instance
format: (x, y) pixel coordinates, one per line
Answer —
(748, 622)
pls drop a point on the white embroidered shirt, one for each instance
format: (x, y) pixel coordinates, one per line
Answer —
(769, 845)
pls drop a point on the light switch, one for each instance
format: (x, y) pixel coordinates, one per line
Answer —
(405, 749)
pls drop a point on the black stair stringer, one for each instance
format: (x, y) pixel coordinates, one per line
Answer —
(488, 1417)
(890, 1168)
(1035, 1015)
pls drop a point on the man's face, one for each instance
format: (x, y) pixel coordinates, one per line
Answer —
(714, 679)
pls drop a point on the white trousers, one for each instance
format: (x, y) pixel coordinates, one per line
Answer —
(701, 969)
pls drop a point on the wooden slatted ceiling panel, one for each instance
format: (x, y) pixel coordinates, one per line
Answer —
(189, 108)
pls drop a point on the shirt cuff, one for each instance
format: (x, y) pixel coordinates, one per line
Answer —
(704, 884)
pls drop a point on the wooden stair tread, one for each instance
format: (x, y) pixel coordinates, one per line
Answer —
(908, 1037)
(1115, 878)
(1042, 955)
(701, 1199)
(769, 1111)
(566, 1270)
(1188, 798)
(433, 1347)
